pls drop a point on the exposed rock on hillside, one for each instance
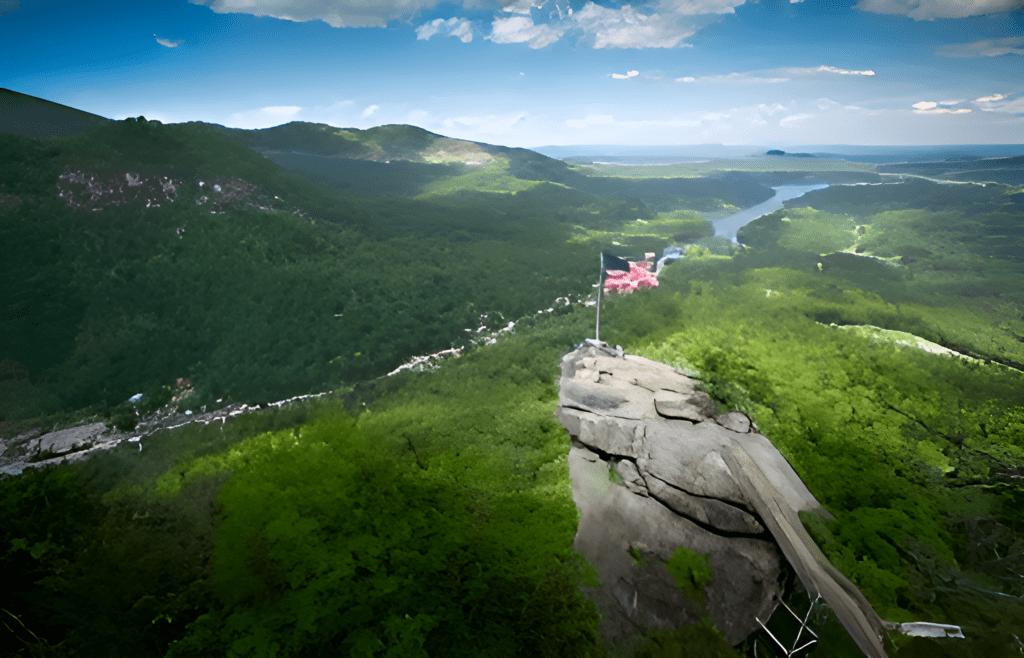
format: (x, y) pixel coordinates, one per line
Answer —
(654, 468)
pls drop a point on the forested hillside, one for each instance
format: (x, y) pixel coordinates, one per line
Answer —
(430, 513)
(140, 253)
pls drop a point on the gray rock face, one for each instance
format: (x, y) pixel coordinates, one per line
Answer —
(650, 471)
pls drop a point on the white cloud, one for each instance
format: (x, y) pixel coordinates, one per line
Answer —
(663, 24)
(521, 29)
(264, 117)
(829, 104)
(794, 118)
(370, 110)
(950, 102)
(765, 77)
(168, 42)
(993, 104)
(698, 7)
(984, 48)
(828, 69)
(931, 107)
(492, 124)
(456, 27)
(929, 10)
(942, 110)
(522, 6)
(627, 76)
(336, 13)
(625, 27)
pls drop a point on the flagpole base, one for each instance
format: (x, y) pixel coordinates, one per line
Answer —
(605, 347)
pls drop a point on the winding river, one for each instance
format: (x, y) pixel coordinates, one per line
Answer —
(727, 227)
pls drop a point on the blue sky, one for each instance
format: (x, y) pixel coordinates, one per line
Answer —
(539, 72)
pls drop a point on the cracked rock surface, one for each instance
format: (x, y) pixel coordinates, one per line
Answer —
(650, 470)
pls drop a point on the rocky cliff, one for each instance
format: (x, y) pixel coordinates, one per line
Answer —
(654, 468)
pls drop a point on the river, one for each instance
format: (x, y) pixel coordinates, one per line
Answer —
(727, 227)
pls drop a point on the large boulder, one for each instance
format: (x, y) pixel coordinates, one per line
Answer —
(655, 468)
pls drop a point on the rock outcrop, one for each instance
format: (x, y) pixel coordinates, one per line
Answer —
(655, 468)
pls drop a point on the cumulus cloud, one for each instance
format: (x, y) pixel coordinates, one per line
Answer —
(929, 10)
(984, 48)
(931, 107)
(168, 42)
(627, 76)
(625, 27)
(793, 119)
(686, 79)
(336, 13)
(828, 69)
(456, 27)
(370, 110)
(492, 124)
(989, 99)
(521, 29)
(698, 7)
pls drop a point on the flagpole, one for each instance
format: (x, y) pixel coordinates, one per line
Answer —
(600, 294)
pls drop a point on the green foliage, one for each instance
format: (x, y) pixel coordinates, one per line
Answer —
(691, 572)
(411, 522)
(800, 229)
(701, 640)
(255, 303)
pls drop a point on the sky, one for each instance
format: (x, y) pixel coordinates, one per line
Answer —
(540, 72)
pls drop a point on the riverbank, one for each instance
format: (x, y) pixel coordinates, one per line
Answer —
(727, 227)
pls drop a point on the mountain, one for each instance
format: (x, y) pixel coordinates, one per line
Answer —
(410, 161)
(138, 253)
(21, 114)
